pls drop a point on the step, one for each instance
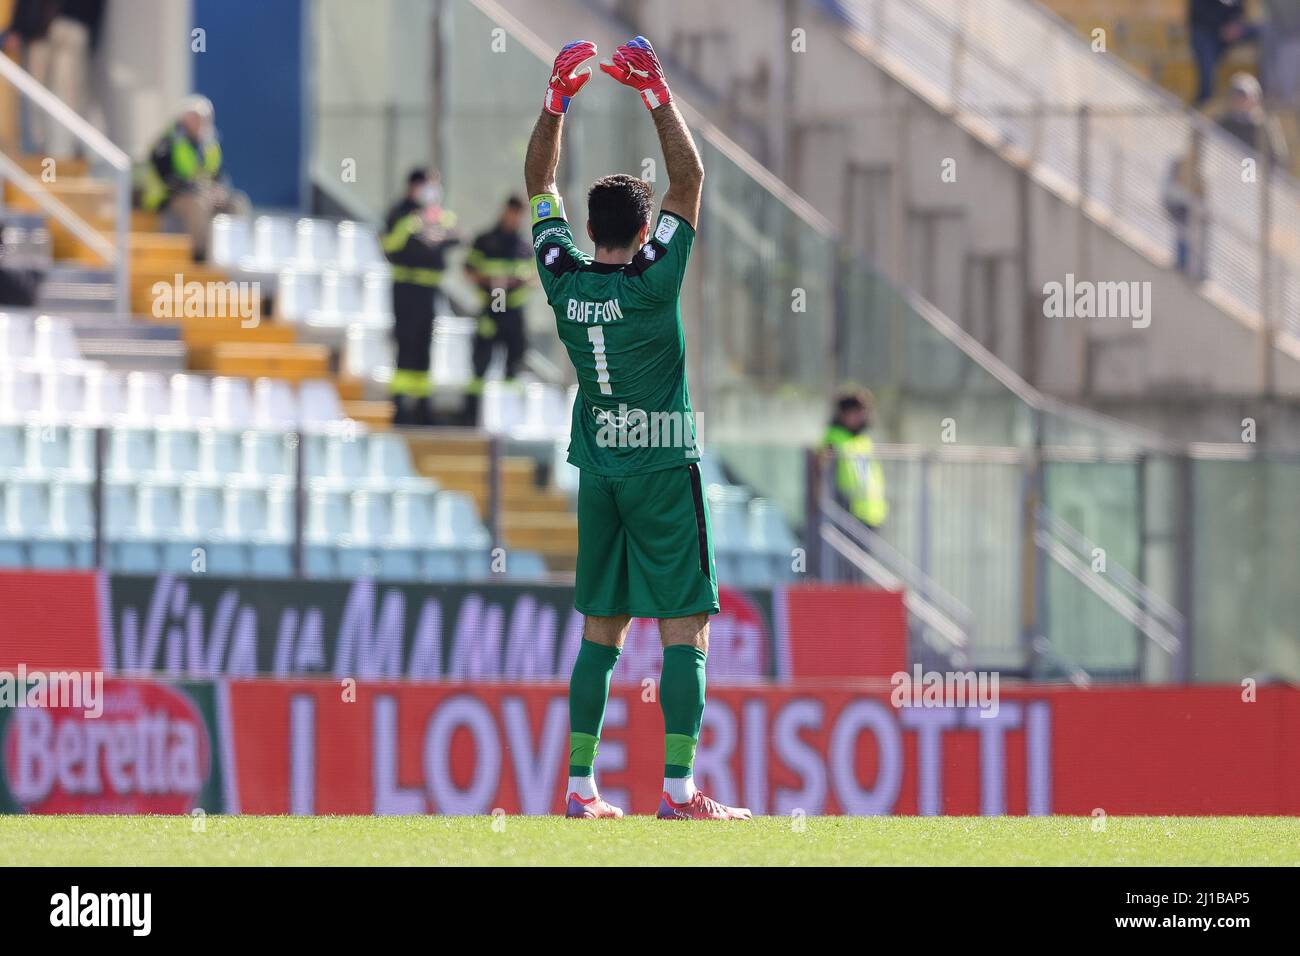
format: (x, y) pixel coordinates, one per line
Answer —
(444, 446)
(536, 500)
(470, 473)
(544, 533)
(151, 252)
(203, 336)
(59, 295)
(72, 167)
(158, 355)
(147, 272)
(91, 199)
(161, 247)
(375, 415)
(295, 362)
(350, 389)
(563, 565)
(213, 330)
(144, 280)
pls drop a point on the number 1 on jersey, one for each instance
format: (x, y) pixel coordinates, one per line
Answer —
(597, 336)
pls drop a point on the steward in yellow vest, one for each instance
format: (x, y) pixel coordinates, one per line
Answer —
(859, 480)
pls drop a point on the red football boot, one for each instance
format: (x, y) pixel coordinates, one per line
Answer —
(700, 807)
(593, 809)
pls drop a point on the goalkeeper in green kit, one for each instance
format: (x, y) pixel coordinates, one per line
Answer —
(644, 548)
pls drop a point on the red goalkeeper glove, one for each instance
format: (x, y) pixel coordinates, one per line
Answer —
(635, 65)
(566, 78)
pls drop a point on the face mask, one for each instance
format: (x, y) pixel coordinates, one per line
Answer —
(430, 194)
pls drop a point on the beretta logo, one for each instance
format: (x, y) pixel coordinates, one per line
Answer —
(148, 753)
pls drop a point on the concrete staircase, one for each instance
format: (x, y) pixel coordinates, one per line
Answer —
(533, 517)
(79, 284)
(863, 134)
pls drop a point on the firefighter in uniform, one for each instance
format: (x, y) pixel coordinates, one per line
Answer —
(500, 264)
(417, 235)
(859, 480)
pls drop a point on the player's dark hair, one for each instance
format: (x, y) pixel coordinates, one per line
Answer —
(617, 207)
(515, 202)
(417, 177)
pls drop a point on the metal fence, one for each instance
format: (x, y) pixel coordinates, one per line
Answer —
(1085, 564)
(1090, 128)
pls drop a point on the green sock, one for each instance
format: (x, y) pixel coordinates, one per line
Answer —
(681, 695)
(588, 694)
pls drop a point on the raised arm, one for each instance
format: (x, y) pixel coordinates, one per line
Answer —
(543, 156)
(568, 76)
(682, 161)
(635, 64)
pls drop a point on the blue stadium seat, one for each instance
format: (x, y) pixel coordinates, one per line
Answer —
(525, 565)
(130, 452)
(270, 560)
(13, 453)
(443, 564)
(176, 451)
(388, 457)
(456, 522)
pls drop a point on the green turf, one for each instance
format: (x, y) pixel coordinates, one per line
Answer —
(348, 841)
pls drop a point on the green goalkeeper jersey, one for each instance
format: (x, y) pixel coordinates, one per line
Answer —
(622, 326)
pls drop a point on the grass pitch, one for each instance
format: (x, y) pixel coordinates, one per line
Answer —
(644, 841)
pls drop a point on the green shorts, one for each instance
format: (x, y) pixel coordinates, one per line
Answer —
(644, 546)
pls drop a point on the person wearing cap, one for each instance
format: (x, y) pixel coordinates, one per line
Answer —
(185, 178)
(1246, 119)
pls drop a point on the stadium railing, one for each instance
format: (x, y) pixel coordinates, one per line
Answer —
(1021, 77)
(100, 150)
(777, 312)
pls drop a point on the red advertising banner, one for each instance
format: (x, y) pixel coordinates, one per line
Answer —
(322, 747)
(83, 744)
(202, 628)
(838, 631)
(50, 620)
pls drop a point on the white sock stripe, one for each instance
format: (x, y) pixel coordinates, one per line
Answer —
(584, 787)
(679, 789)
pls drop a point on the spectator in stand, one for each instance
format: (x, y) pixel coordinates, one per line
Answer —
(1215, 26)
(1185, 202)
(1281, 53)
(1246, 119)
(55, 39)
(19, 281)
(185, 176)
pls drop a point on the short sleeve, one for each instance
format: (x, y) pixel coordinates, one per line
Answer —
(659, 266)
(557, 256)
